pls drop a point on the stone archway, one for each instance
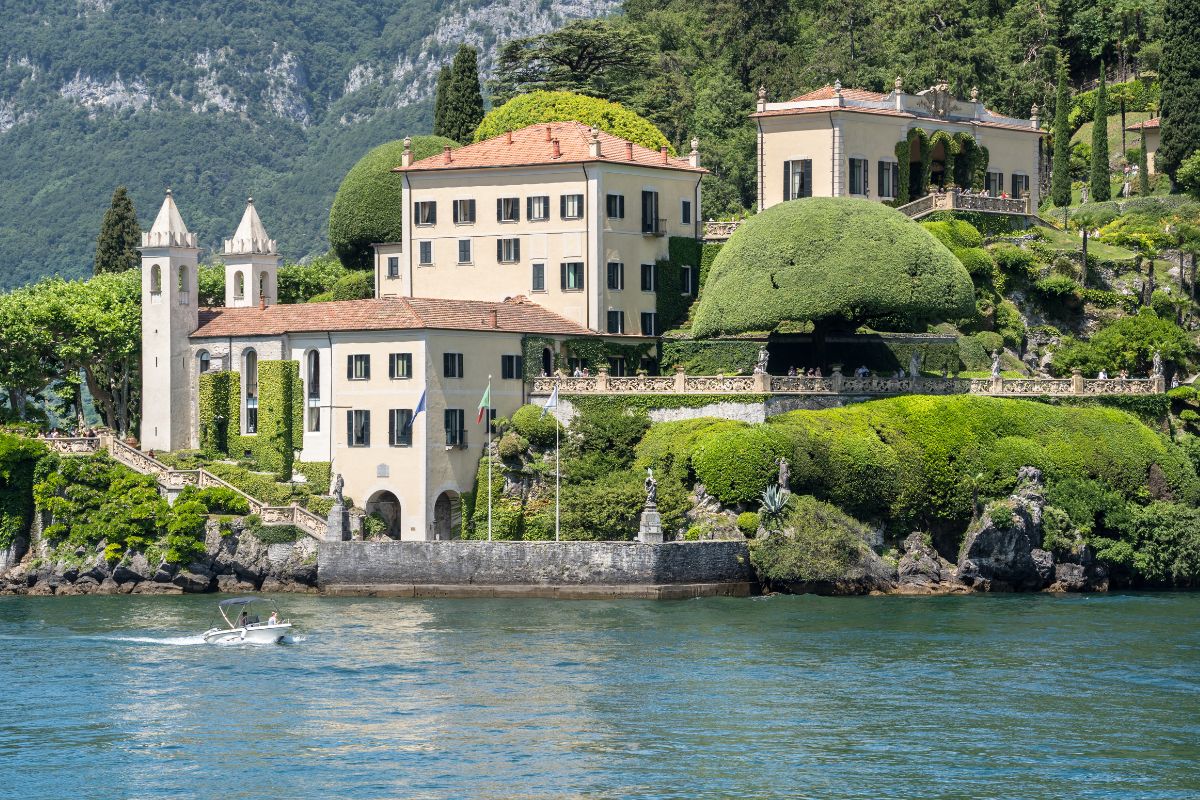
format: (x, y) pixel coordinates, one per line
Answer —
(447, 516)
(387, 506)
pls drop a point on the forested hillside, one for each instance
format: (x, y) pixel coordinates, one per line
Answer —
(217, 99)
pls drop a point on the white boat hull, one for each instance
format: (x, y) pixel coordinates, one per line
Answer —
(254, 634)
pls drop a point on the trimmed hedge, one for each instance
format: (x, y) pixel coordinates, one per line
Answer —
(539, 429)
(831, 261)
(19, 458)
(736, 465)
(369, 204)
(535, 107)
(710, 357)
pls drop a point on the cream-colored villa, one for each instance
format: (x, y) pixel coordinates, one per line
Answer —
(1153, 130)
(840, 142)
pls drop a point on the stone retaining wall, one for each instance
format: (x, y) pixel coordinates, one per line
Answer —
(612, 567)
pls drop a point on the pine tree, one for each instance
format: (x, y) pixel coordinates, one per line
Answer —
(461, 100)
(439, 101)
(1179, 72)
(1060, 186)
(120, 236)
(1101, 181)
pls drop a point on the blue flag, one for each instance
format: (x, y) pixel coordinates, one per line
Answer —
(420, 406)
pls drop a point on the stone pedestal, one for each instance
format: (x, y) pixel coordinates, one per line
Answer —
(650, 531)
(337, 524)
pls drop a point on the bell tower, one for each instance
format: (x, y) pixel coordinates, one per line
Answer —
(251, 263)
(170, 290)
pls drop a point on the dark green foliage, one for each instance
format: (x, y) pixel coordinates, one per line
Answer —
(458, 104)
(1100, 181)
(1180, 75)
(280, 417)
(1188, 175)
(603, 509)
(708, 254)
(300, 282)
(718, 357)
(538, 428)
(357, 285)
(369, 205)
(185, 531)
(218, 393)
(736, 465)
(217, 499)
(18, 458)
(822, 542)
(834, 262)
(1126, 344)
(120, 236)
(602, 443)
(528, 109)
(667, 447)
(671, 303)
(1060, 186)
(278, 534)
(1143, 167)
(747, 523)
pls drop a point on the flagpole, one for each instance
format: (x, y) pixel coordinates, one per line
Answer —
(557, 475)
(488, 422)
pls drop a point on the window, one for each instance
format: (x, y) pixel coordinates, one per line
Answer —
(687, 280)
(393, 270)
(250, 378)
(616, 321)
(313, 374)
(615, 206)
(399, 365)
(512, 367)
(650, 221)
(182, 285)
(649, 326)
(464, 212)
(425, 252)
(1020, 186)
(537, 209)
(358, 428)
(400, 422)
(616, 276)
(539, 278)
(571, 206)
(452, 365)
(239, 285)
(508, 251)
(858, 177)
(456, 431)
(797, 179)
(508, 209)
(464, 251)
(616, 366)
(425, 212)
(156, 280)
(649, 277)
(572, 276)
(358, 368)
(995, 183)
(889, 178)
(204, 359)
(685, 215)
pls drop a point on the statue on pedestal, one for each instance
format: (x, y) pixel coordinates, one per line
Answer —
(784, 473)
(1158, 364)
(651, 489)
(995, 365)
(338, 485)
(914, 365)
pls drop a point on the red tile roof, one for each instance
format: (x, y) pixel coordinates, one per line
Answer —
(531, 146)
(827, 92)
(516, 315)
(1150, 125)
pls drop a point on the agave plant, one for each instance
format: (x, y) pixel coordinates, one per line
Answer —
(774, 501)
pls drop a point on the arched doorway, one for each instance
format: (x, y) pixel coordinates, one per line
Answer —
(387, 506)
(547, 361)
(447, 516)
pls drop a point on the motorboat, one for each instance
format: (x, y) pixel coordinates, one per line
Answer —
(246, 626)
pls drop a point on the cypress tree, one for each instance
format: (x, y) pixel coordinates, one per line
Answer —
(462, 100)
(1180, 76)
(1143, 172)
(439, 101)
(1060, 186)
(120, 236)
(1101, 181)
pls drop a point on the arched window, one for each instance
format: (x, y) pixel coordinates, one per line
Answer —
(156, 279)
(262, 284)
(183, 285)
(313, 370)
(250, 382)
(239, 285)
(205, 361)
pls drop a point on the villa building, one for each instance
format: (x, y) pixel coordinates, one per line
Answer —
(1153, 131)
(838, 142)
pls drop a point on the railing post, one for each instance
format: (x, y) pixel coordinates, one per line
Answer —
(997, 386)
(762, 382)
(680, 379)
(1158, 383)
(1076, 381)
(602, 380)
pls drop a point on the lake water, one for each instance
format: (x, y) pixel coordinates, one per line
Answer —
(1003, 697)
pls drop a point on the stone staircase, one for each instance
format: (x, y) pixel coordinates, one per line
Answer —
(175, 480)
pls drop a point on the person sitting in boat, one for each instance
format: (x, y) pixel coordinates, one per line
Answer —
(274, 618)
(243, 619)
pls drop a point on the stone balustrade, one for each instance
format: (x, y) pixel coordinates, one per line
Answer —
(955, 200)
(839, 384)
(720, 231)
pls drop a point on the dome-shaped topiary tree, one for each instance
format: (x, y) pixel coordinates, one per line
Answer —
(369, 205)
(834, 262)
(613, 118)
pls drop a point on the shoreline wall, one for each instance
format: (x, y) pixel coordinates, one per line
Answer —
(616, 567)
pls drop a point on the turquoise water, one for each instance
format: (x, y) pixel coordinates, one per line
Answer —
(1004, 697)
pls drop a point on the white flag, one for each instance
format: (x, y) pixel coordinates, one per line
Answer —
(551, 402)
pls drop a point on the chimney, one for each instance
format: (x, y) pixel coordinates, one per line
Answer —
(262, 301)
(594, 144)
(406, 159)
(629, 151)
(554, 146)
(663, 150)
(446, 159)
(493, 318)
(899, 93)
(549, 134)
(508, 137)
(694, 156)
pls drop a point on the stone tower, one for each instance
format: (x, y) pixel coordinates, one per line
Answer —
(170, 292)
(251, 263)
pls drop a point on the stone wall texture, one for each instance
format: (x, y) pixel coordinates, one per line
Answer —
(463, 563)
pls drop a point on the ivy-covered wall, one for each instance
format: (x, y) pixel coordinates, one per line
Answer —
(595, 352)
(531, 352)
(215, 390)
(672, 305)
(714, 357)
(280, 416)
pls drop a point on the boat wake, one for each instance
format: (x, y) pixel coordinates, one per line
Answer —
(170, 641)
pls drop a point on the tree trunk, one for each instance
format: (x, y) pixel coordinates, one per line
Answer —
(103, 398)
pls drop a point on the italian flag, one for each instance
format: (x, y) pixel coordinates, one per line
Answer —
(485, 403)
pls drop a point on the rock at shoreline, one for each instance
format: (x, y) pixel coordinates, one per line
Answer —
(998, 553)
(922, 571)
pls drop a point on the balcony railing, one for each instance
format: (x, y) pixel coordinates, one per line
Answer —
(456, 438)
(654, 227)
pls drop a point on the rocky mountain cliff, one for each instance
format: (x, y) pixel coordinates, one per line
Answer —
(218, 99)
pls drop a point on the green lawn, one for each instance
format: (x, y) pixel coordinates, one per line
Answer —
(1132, 138)
(1070, 241)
